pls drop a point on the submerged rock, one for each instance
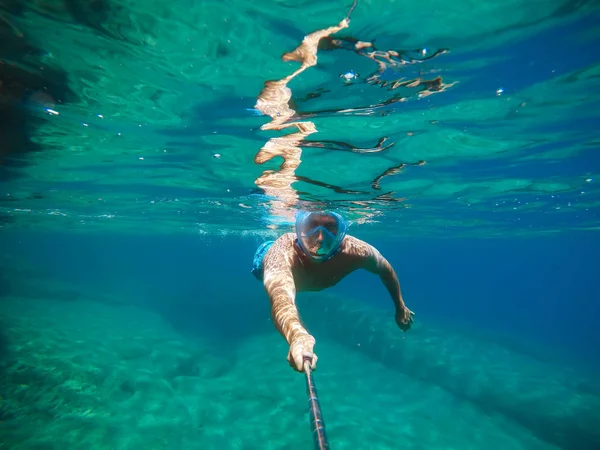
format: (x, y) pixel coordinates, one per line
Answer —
(546, 398)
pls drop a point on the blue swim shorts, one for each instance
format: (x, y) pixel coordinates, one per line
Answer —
(257, 265)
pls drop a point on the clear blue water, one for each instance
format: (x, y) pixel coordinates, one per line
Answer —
(131, 205)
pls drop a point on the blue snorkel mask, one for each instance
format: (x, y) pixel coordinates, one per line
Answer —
(320, 234)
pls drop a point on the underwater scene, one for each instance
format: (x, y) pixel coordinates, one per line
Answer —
(277, 224)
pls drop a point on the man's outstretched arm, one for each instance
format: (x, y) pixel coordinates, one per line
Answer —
(373, 261)
(280, 287)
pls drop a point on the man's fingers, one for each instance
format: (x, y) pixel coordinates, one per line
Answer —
(300, 354)
(298, 362)
(293, 364)
(311, 359)
(300, 358)
(313, 364)
(295, 360)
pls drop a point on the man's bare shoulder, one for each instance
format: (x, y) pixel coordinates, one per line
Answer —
(361, 254)
(282, 248)
(352, 246)
(279, 261)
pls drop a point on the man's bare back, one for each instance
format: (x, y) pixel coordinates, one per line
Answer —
(290, 266)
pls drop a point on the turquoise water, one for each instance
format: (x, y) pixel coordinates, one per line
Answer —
(148, 148)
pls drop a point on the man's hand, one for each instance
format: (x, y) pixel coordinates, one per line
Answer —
(301, 349)
(404, 318)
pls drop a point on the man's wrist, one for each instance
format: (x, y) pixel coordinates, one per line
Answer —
(297, 333)
(400, 307)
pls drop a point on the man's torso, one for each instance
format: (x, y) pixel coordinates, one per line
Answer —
(315, 276)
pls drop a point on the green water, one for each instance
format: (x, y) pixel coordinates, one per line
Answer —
(153, 129)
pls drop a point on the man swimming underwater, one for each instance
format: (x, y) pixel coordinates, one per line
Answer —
(316, 257)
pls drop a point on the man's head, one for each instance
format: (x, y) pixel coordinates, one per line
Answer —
(320, 234)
